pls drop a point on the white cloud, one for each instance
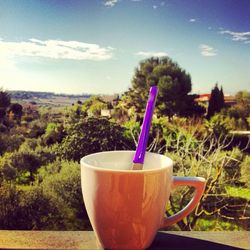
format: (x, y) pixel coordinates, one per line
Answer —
(6, 63)
(162, 3)
(237, 36)
(192, 20)
(110, 3)
(206, 50)
(151, 53)
(155, 6)
(56, 49)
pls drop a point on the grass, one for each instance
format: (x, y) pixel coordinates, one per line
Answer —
(23, 187)
(238, 192)
(213, 224)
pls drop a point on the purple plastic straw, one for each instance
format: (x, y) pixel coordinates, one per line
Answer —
(143, 138)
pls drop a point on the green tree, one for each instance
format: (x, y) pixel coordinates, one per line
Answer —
(26, 162)
(38, 211)
(64, 187)
(174, 86)
(4, 99)
(28, 210)
(16, 109)
(4, 103)
(10, 142)
(92, 135)
(219, 125)
(93, 106)
(216, 101)
(9, 207)
(8, 172)
(3, 144)
(240, 111)
(54, 133)
(243, 97)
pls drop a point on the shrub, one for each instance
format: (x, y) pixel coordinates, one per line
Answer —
(245, 171)
(64, 186)
(92, 135)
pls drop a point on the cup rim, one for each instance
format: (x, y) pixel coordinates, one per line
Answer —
(129, 171)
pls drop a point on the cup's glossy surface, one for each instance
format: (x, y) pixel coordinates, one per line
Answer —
(126, 208)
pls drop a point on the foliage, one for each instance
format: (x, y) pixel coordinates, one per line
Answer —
(38, 210)
(16, 109)
(93, 106)
(36, 128)
(235, 191)
(8, 172)
(219, 125)
(27, 210)
(216, 101)
(4, 104)
(174, 84)
(64, 186)
(9, 206)
(26, 162)
(132, 130)
(45, 154)
(243, 97)
(245, 171)
(240, 111)
(40, 189)
(54, 133)
(206, 157)
(4, 99)
(92, 135)
(233, 166)
(10, 142)
(29, 144)
(215, 224)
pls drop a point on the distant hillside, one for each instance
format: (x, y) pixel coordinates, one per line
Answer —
(47, 98)
(33, 94)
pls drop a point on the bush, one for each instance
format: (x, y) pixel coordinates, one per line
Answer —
(10, 142)
(245, 171)
(9, 207)
(54, 134)
(26, 162)
(92, 135)
(64, 186)
(219, 125)
(27, 210)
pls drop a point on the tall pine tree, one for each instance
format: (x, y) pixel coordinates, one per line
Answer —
(216, 101)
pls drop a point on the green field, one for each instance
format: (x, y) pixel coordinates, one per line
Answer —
(238, 192)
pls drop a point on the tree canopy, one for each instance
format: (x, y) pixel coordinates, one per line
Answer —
(174, 86)
(216, 101)
(4, 99)
(4, 103)
(91, 135)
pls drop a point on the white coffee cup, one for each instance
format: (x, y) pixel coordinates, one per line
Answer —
(126, 207)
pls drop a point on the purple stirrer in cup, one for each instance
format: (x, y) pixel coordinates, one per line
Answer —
(143, 138)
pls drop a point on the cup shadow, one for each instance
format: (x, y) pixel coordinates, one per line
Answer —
(174, 242)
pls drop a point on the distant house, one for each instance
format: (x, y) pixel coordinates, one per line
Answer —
(112, 99)
(203, 98)
(106, 112)
(229, 100)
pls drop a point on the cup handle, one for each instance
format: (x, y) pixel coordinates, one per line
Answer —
(199, 184)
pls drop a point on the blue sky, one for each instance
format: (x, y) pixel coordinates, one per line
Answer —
(94, 46)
